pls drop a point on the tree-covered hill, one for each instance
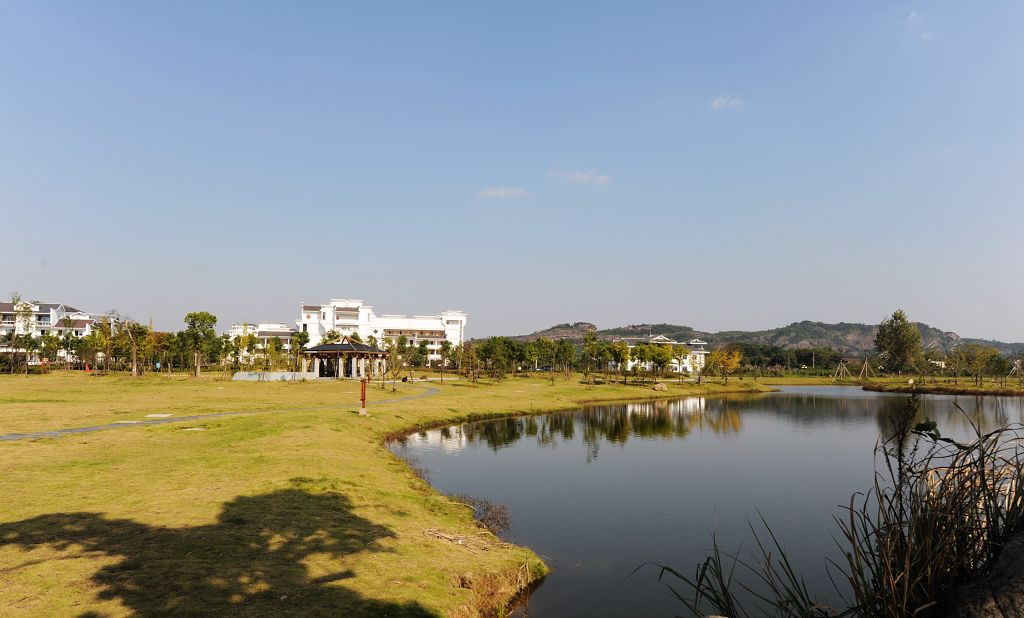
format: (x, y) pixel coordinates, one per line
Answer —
(846, 337)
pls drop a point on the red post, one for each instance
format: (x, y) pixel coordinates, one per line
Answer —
(362, 397)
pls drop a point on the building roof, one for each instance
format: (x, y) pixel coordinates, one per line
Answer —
(74, 324)
(349, 346)
(43, 307)
(275, 333)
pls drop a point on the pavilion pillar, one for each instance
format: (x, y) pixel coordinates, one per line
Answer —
(362, 366)
(316, 366)
(352, 365)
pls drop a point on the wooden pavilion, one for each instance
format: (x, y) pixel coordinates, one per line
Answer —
(347, 359)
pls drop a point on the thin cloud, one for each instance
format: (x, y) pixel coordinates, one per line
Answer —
(918, 25)
(581, 177)
(725, 101)
(503, 192)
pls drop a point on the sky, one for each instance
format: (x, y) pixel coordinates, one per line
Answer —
(721, 165)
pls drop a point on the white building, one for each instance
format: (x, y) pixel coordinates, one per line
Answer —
(264, 333)
(37, 319)
(351, 317)
(694, 360)
(45, 319)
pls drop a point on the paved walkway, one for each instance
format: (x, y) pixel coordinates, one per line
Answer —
(58, 433)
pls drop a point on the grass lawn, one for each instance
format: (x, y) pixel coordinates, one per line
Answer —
(295, 507)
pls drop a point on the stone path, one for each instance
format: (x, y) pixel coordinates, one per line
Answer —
(163, 419)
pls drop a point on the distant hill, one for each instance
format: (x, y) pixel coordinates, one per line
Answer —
(572, 332)
(849, 338)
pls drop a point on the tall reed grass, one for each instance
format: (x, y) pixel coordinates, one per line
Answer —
(937, 516)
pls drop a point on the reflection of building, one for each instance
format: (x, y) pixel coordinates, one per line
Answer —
(675, 407)
(693, 361)
(450, 439)
(351, 317)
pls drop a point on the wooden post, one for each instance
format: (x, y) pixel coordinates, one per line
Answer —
(362, 397)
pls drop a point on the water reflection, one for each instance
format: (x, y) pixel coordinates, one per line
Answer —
(601, 489)
(614, 423)
(676, 419)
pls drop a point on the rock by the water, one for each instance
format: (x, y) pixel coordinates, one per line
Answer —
(1000, 594)
(659, 387)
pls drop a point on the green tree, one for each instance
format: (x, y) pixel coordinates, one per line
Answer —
(103, 340)
(680, 354)
(198, 335)
(299, 342)
(331, 336)
(397, 351)
(547, 350)
(589, 353)
(565, 356)
(899, 342)
(130, 335)
(445, 351)
(620, 356)
(20, 335)
(661, 357)
(978, 360)
(641, 355)
(274, 348)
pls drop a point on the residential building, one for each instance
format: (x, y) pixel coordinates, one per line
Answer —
(352, 317)
(39, 318)
(45, 318)
(264, 333)
(694, 360)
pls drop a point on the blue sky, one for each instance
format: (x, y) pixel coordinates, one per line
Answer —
(723, 165)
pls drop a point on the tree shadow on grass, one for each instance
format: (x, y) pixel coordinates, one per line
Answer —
(250, 562)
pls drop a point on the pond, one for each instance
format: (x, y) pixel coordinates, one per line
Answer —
(600, 491)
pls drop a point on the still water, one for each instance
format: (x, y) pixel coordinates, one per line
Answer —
(605, 489)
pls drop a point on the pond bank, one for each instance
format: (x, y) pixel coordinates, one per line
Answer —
(942, 389)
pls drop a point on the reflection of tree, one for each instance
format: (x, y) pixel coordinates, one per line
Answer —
(615, 423)
(251, 561)
(987, 413)
(673, 419)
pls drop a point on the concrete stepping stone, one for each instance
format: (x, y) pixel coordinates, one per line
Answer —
(125, 422)
(158, 416)
(194, 429)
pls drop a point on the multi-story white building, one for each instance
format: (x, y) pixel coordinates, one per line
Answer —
(694, 360)
(38, 319)
(264, 333)
(350, 316)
